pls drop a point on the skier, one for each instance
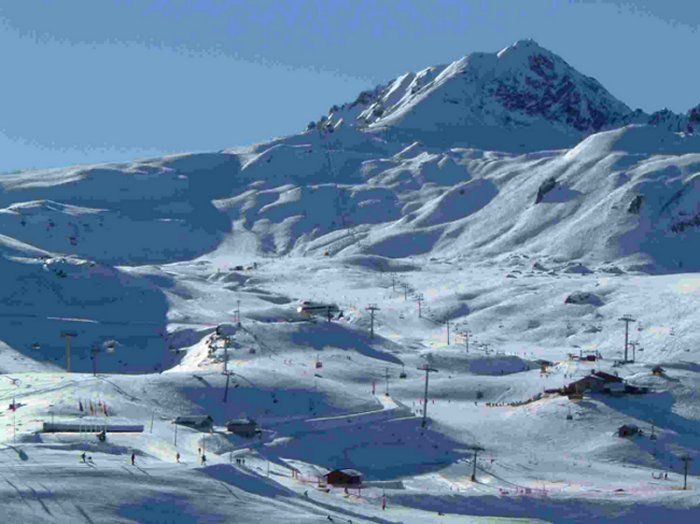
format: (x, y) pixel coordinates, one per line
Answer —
(82, 457)
(133, 459)
(177, 457)
(204, 459)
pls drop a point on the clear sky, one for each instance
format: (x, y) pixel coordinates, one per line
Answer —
(107, 80)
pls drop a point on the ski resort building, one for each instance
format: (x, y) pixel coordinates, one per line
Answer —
(243, 427)
(628, 430)
(199, 422)
(343, 477)
(596, 382)
(87, 426)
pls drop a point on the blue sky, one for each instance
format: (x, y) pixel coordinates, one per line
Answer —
(109, 80)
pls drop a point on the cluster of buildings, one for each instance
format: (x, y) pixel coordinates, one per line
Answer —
(600, 382)
(243, 427)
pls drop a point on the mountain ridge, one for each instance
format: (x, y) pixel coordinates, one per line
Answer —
(522, 86)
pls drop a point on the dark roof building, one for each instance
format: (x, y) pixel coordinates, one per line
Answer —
(597, 382)
(200, 422)
(607, 377)
(243, 427)
(628, 430)
(344, 477)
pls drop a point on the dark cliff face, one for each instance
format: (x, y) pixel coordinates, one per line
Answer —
(558, 97)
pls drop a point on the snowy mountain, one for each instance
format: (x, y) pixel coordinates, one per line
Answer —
(521, 98)
(502, 213)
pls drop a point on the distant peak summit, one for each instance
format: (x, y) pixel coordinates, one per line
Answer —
(522, 97)
(525, 45)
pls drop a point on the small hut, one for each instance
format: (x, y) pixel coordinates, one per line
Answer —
(243, 427)
(343, 477)
(199, 422)
(628, 430)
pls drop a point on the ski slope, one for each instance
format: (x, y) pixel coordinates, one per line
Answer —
(536, 250)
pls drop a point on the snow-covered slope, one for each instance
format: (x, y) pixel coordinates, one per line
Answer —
(522, 98)
(505, 194)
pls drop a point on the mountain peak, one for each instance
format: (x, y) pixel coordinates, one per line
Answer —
(522, 97)
(523, 46)
(491, 101)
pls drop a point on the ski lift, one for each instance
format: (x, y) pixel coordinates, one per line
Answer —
(403, 372)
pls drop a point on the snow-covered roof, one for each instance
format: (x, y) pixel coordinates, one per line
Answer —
(241, 422)
(194, 418)
(349, 472)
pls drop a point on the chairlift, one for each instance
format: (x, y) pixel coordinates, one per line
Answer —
(403, 372)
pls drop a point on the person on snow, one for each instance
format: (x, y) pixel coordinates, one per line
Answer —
(133, 459)
(204, 459)
(82, 456)
(177, 457)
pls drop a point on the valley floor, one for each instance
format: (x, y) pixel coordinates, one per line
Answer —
(328, 395)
